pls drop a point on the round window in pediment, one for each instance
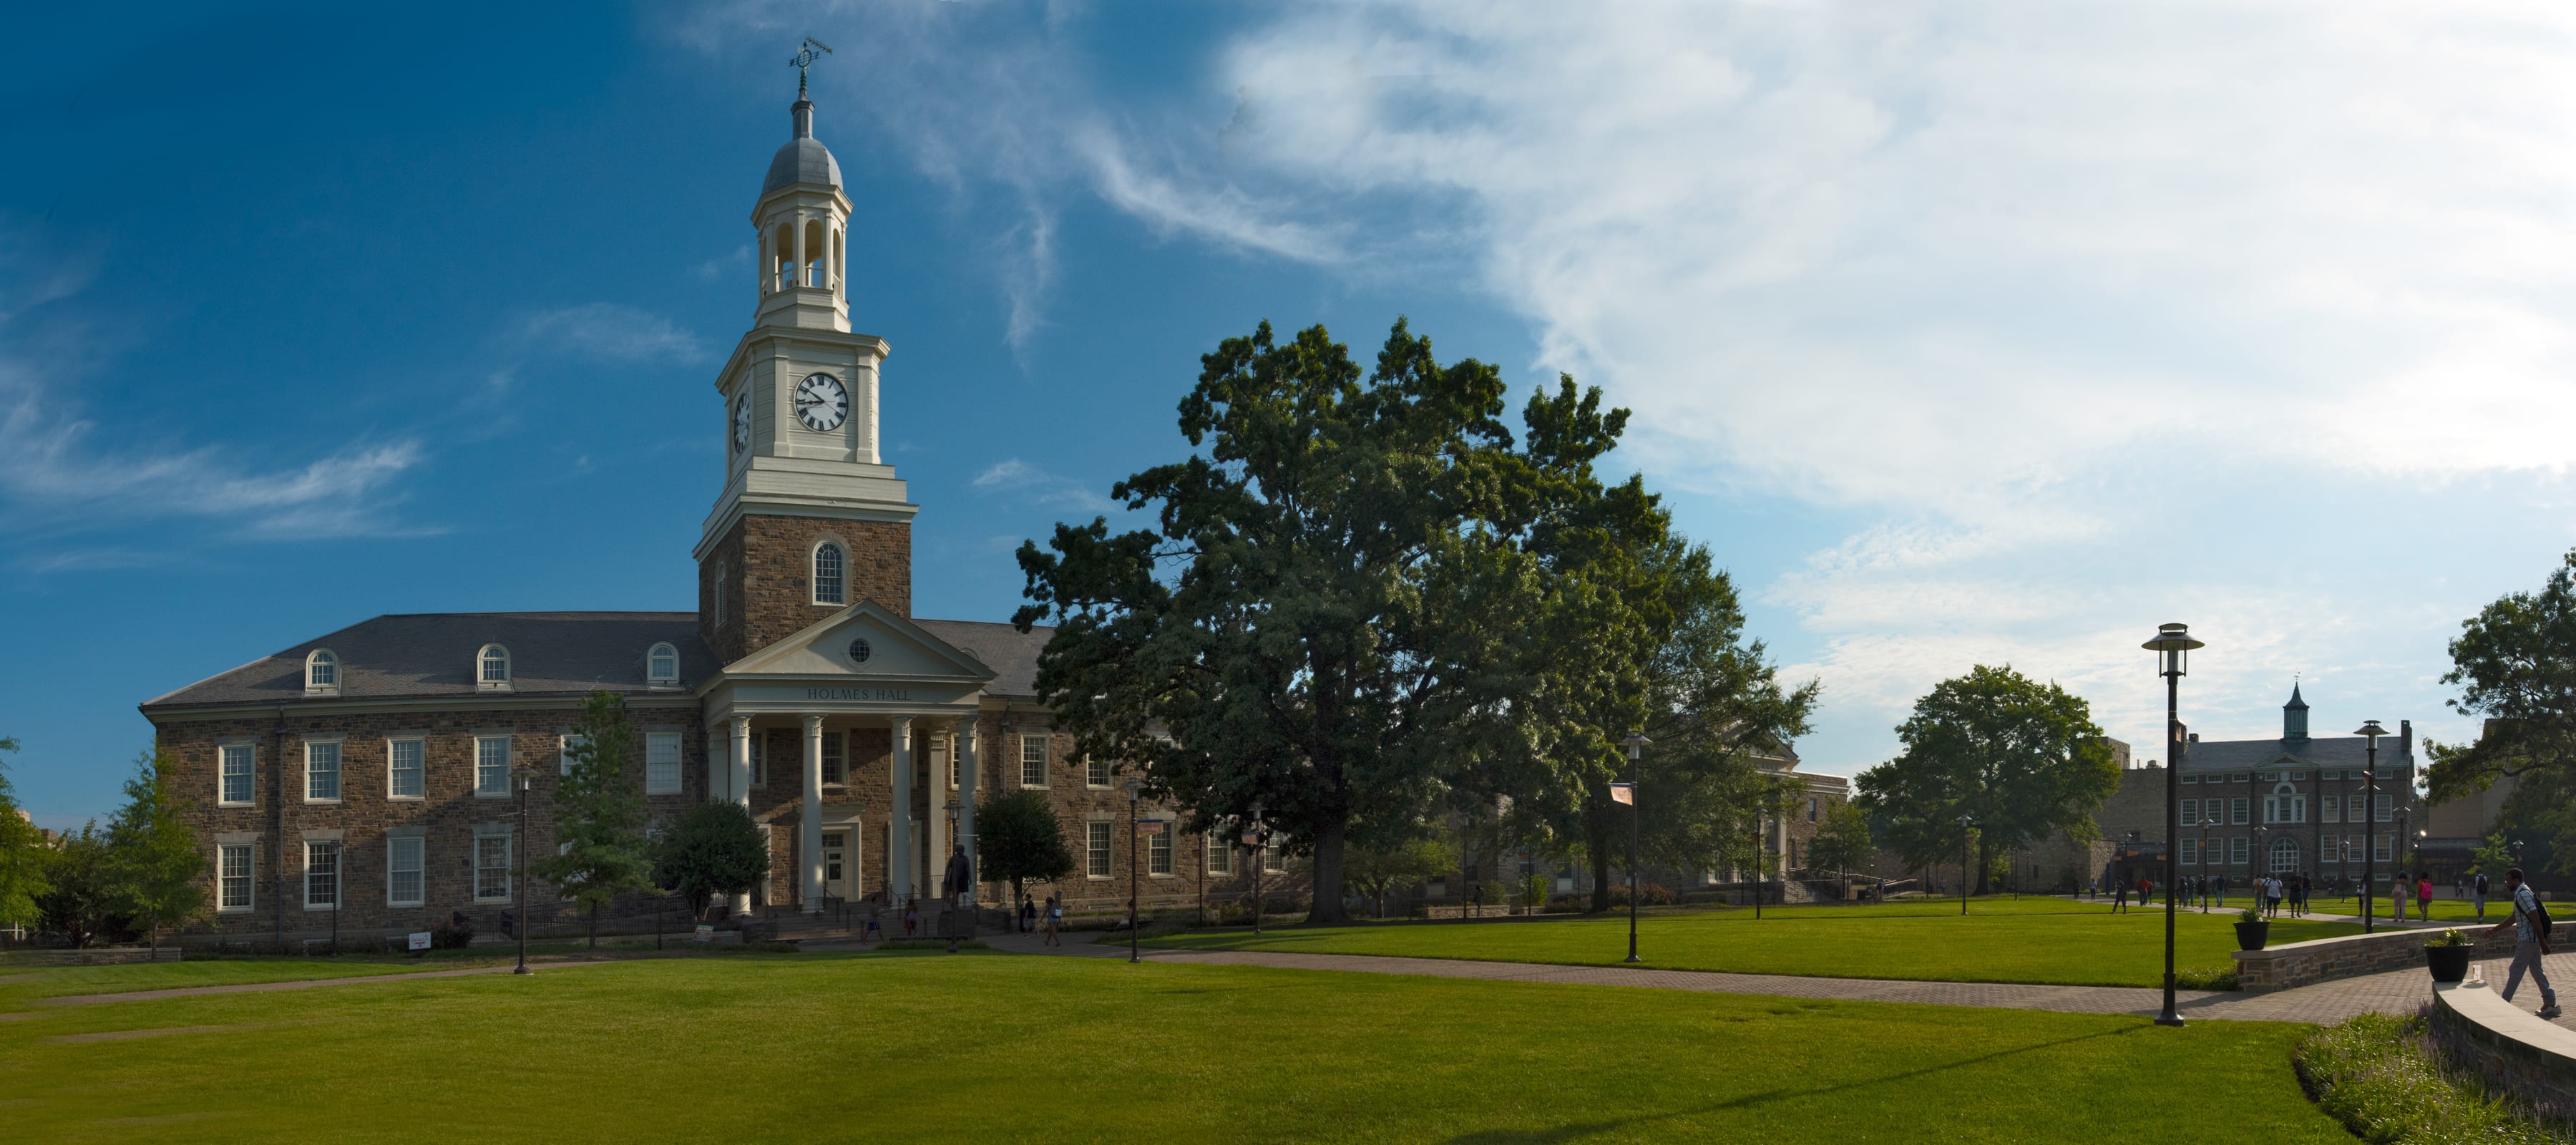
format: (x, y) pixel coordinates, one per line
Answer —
(859, 651)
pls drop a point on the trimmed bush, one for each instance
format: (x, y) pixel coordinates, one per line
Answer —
(2383, 1078)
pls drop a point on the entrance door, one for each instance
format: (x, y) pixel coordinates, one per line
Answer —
(836, 863)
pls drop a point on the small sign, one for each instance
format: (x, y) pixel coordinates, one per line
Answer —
(705, 933)
(1149, 826)
(1623, 793)
(1252, 838)
(420, 940)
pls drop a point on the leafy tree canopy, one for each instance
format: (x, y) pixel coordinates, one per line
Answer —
(2023, 758)
(599, 813)
(1019, 841)
(23, 853)
(713, 848)
(156, 864)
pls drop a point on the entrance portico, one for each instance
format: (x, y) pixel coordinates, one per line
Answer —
(862, 705)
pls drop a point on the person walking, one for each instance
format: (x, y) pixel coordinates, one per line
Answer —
(2424, 895)
(2119, 898)
(1028, 914)
(1054, 921)
(2530, 943)
(2272, 895)
(911, 918)
(2478, 888)
(2222, 892)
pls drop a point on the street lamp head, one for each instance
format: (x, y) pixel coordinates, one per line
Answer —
(1636, 744)
(1132, 789)
(2173, 644)
(2371, 729)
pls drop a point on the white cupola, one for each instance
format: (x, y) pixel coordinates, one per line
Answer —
(802, 220)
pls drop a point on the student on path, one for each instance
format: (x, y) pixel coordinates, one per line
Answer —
(1054, 920)
(1028, 914)
(2120, 898)
(2146, 891)
(2272, 895)
(2424, 895)
(911, 918)
(2530, 943)
(2478, 887)
(2222, 892)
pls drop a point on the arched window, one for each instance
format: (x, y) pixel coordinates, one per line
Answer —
(321, 672)
(831, 586)
(662, 665)
(492, 668)
(2285, 854)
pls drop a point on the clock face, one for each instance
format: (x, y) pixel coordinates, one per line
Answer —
(742, 423)
(821, 403)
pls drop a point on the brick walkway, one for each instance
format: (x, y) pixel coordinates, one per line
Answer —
(2395, 992)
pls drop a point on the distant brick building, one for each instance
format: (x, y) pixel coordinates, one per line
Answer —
(367, 776)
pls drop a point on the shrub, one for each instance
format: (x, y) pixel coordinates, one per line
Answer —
(2205, 978)
(2381, 1076)
(454, 934)
(2451, 937)
(1650, 894)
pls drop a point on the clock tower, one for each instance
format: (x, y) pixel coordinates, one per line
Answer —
(811, 519)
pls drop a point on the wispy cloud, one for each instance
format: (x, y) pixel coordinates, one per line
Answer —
(1039, 487)
(606, 331)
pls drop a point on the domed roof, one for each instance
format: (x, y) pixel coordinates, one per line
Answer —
(802, 159)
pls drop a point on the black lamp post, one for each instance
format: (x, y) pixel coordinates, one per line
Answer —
(1636, 743)
(2370, 733)
(1254, 836)
(2172, 645)
(1965, 822)
(1135, 946)
(525, 776)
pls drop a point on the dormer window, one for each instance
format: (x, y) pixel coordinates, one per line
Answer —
(830, 581)
(492, 669)
(321, 673)
(662, 665)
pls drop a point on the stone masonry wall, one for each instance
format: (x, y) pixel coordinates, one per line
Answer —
(447, 813)
(769, 593)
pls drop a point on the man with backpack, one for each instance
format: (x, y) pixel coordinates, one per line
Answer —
(2478, 889)
(2530, 924)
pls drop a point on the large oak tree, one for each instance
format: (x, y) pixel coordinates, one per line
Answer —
(2022, 757)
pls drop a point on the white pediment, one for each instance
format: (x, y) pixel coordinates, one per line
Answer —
(864, 641)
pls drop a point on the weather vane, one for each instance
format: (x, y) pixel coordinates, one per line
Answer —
(805, 58)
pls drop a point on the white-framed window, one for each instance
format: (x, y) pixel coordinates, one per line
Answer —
(564, 745)
(2298, 777)
(2236, 851)
(1220, 853)
(2188, 777)
(2191, 852)
(2334, 775)
(321, 874)
(406, 870)
(2379, 808)
(1158, 851)
(2330, 809)
(831, 574)
(492, 868)
(1811, 809)
(2268, 776)
(321, 673)
(322, 771)
(233, 866)
(2190, 811)
(2236, 812)
(1274, 858)
(2380, 845)
(662, 665)
(759, 758)
(836, 758)
(662, 763)
(1097, 857)
(237, 765)
(492, 767)
(406, 768)
(492, 669)
(1033, 761)
(2239, 777)
(1095, 772)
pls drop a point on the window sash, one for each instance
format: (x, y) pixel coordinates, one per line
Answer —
(662, 763)
(836, 759)
(2236, 851)
(322, 672)
(491, 868)
(2379, 847)
(491, 765)
(1158, 852)
(1220, 853)
(759, 758)
(405, 868)
(828, 580)
(1095, 772)
(405, 768)
(2236, 810)
(2191, 852)
(494, 667)
(1098, 857)
(321, 874)
(2190, 812)
(563, 752)
(239, 768)
(2379, 808)
(1033, 761)
(321, 771)
(233, 877)
(663, 665)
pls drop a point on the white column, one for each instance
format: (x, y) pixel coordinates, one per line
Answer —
(963, 755)
(809, 829)
(899, 881)
(800, 250)
(740, 789)
(934, 879)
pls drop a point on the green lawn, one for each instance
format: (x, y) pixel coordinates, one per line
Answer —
(2044, 940)
(20, 983)
(890, 1048)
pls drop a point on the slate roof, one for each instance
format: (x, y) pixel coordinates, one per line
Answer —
(2327, 752)
(431, 655)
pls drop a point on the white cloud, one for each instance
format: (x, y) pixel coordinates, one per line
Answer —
(610, 332)
(1040, 487)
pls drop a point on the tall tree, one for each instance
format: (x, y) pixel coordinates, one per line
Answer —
(82, 902)
(1018, 840)
(2515, 662)
(158, 869)
(1275, 642)
(23, 853)
(601, 851)
(713, 848)
(1842, 842)
(1374, 870)
(2023, 757)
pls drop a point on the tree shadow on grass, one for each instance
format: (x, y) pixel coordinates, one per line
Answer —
(1576, 1130)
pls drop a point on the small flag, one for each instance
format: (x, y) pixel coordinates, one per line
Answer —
(1623, 793)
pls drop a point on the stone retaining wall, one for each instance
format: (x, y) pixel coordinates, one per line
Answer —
(2317, 960)
(2517, 1051)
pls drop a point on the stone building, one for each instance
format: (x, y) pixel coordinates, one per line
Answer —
(369, 776)
(2293, 804)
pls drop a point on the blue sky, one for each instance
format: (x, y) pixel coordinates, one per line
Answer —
(1963, 335)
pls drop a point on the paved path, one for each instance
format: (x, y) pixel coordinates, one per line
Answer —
(2395, 991)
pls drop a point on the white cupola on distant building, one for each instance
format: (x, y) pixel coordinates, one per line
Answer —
(803, 220)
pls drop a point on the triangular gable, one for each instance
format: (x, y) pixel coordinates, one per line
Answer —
(897, 648)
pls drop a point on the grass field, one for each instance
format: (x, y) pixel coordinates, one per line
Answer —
(21, 984)
(998, 1047)
(2043, 940)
